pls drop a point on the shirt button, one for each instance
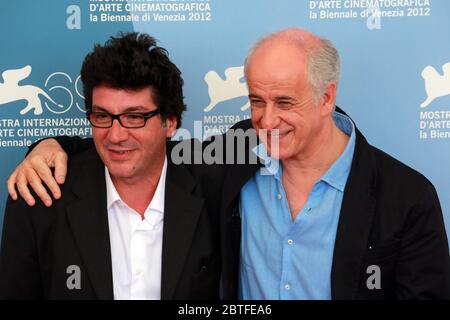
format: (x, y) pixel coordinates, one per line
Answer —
(279, 196)
(138, 272)
(287, 286)
(290, 241)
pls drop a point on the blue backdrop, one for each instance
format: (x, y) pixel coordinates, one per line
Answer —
(395, 80)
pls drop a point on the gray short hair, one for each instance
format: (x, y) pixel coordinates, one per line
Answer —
(323, 63)
(323, 67)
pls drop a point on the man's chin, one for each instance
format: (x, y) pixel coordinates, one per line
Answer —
(119, 173)
(278, 153)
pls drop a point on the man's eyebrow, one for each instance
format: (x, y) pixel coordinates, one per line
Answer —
(129, 109)
(136, 109)
(98, 108)
(252, 95)
(284, 98)
(278, 98)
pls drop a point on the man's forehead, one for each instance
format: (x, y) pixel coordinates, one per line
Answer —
(273, 76)
(122, 100)
(271, 86)
(276, 64)
(277, 83)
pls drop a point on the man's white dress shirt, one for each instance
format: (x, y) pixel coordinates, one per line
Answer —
(136, 244)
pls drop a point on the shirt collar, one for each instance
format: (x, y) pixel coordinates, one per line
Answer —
(157, 203)
(336, 175)
(112, 196)
(271, 165)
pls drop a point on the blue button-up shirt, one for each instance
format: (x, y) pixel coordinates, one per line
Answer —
(285, 259)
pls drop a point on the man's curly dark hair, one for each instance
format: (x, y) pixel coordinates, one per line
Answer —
(134, 61)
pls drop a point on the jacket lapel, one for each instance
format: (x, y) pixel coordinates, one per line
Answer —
(238, 174)
(181, 212)
(236, 177)
(358, 207)
(88, 219)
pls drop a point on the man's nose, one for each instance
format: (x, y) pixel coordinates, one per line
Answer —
(269, 118)
(117, 133)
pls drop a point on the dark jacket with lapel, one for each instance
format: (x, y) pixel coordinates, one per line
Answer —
(390, 218)
(39, 244)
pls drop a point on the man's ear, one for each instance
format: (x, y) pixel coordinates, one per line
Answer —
(328, 99)
(171, 126)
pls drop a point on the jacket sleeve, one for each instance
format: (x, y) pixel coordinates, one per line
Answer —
(19, 267)
(71, 145)
(423, 269)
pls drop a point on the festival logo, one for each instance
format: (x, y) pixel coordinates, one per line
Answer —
(42, 107)
(436, 85)
(231, 87)
(220, 91)
(11, 91)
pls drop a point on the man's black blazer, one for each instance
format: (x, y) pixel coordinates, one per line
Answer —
(390, 218)
(39, 244)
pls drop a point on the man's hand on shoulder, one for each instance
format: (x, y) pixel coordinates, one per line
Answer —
(35, 169)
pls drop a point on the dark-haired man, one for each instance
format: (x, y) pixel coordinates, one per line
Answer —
(130, 224)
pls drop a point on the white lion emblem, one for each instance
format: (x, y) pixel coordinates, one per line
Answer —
(220, 90)
(11, 91)
(436, 85)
